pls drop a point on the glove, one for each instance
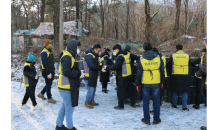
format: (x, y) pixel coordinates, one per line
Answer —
(114, 61)
(197, 75)
(104, 69)
(49, 76)
(138, 88)
(37, 77)
(162, 85)
(82, 74)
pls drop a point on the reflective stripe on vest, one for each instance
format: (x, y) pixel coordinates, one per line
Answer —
(151, 70)
(48, 53)
(200, 64)
(164, 61)
(180, 62)
(206, 81)
(25, 79)
(63, 81)
(126, 68)
(86, 67)
(102, 58)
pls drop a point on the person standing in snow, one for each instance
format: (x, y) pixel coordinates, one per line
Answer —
(104, 76)
(30, 79)
(124, 75)
(48, 70)
(178, 65)
(91, 67)
(132, 59)
(150, 74)
(68, 85)
(198, 61)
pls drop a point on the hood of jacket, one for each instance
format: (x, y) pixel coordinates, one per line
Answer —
(149, 55)
(90, 50)
(122, 52)
(159, 54)
(72, 47)
(104, 53)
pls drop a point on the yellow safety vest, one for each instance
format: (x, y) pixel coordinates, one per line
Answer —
(151, 70)
(164, 61)
(102, 58)
(126, 68)
(206, 81)
(25, 79)
(48, 53)
(180, 62)
(202, 57)
(86, 67)
(63, 81)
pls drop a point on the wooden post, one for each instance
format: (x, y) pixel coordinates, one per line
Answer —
(61, 27)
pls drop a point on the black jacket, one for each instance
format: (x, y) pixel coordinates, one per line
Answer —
(133, 58)
(30, 73)
(72, 74)
(149, 55)
(104, 76)
(93, 68)
(178, 83)
(118, 67)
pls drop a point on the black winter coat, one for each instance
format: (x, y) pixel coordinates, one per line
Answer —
(118, 67)
(72, 74)
(30, 73)
(104, 76)
(178, 83)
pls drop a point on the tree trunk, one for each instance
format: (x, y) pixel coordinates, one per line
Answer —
(77, 9)
(86, 15)
(116, 28)
(186, 13)
(56, 23)
(176, 26)
(127, 20)
(148, 21)
(38, 14)
(102, 19)
(42, 11)
(89, 23)
(65, 16)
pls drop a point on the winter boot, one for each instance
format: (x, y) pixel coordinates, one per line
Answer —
(93, 103)
(50, 100)
(203, 128)
(104, 91)
(24, 106)
(72, 128)
(40, 95)
(36, 107)
(155, 122)
(118, 108)
(174, 107)
(88, 105)
(196, 106)
(147, 122)
(61, 128)
(185, 109)
(127, 101)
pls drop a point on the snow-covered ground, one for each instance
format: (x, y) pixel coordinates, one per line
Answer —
(102, 117)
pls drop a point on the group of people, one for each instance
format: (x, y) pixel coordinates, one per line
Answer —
(150, 77)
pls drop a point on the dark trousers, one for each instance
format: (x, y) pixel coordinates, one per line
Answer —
(205, 93)
(47, 88)
(30, 92)
(104, 85)
(198, 92)
(121, 90)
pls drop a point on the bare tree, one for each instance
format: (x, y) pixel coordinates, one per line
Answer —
(176, 26)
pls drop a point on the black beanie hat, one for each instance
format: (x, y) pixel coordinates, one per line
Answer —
(204, 50)
(147, 46)
(179, 46)
(155, 49)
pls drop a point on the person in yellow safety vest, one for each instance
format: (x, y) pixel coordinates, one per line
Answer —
(198, 61)
(124, 75)
(150, 74)
(68, 85)
(178, 64)
(48, 70)
(203, 73)
(163, 86)
(30, 79)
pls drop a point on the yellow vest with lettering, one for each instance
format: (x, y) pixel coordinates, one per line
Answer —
(180, 61)
(25, 79)
(151, 70)
(164, 61)
(48, 53)
(126, 68)
(86, 67)
(63, 81)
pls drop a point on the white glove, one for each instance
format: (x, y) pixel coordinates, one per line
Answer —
(37, 76)
(82, 74)
(49, 76)
(104, 69)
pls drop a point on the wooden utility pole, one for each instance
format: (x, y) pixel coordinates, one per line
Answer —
(61, 41)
